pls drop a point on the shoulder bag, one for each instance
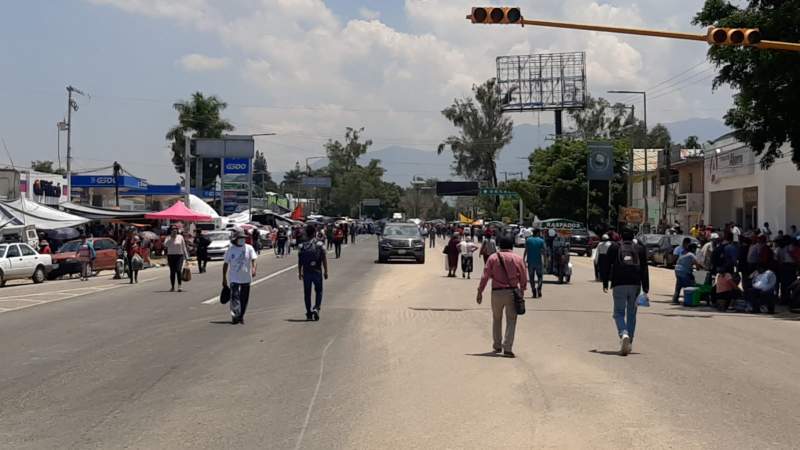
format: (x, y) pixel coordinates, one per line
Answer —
(519, 299)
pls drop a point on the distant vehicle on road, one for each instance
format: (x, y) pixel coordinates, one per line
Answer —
(662, 255)
(402, 241)
(19, 261)
(651, 243)
(582, 241)
(65, 260)
(220, 241)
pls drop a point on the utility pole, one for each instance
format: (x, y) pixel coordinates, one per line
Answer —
(71, 104)
(117, 170)
(187, 176)
(646, 145)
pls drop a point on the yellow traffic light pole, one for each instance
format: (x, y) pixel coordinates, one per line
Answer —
(774, 45)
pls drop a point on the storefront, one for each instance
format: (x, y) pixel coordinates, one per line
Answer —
(738, 190)
(101, 191)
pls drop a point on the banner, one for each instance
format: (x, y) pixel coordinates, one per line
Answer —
(464, 219)
(236, 184)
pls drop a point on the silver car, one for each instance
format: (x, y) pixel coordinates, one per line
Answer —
(220, 241)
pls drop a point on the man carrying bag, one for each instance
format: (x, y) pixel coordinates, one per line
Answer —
(509, 278)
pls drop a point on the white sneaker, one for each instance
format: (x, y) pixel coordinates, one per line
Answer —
(625, 344)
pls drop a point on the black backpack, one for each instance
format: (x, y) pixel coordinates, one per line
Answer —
(310, 256)
(629, 255)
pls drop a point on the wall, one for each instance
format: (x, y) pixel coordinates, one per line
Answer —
(792, 207)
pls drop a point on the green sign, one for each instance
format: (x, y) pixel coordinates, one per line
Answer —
(498, 192)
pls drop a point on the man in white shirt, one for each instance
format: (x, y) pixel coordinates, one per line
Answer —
(240, 268)
(736, 232)
(763, 290)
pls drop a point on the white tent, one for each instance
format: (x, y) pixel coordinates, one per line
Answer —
(22, 212)
(197, 204)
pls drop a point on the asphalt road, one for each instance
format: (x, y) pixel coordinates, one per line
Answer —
(399, 360)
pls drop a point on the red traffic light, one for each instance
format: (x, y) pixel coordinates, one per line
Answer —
(495, 15)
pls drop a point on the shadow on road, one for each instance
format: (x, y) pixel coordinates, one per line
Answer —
(221, 322)
(488, 355)
(298, 321)
(609, 352)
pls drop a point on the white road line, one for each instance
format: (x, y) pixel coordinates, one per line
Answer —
(313, 397)
(215, 299)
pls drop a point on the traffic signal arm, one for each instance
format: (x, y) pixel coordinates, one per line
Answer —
(750, 37)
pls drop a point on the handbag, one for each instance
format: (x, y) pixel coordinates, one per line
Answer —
(519, 299)
(225, 295)
(186, 273)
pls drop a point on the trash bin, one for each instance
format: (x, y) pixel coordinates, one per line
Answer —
(688, 296)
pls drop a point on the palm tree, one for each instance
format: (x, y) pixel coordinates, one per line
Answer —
(484, 132)
(200, 118)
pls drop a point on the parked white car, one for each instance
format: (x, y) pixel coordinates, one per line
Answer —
(19, 261)
(220, 241)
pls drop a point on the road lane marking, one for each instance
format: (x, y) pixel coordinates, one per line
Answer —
(215, 299)
(314, 397)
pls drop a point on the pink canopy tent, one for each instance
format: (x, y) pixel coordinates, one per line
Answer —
(179, 211)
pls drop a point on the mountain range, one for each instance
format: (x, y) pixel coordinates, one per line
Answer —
(404, 163)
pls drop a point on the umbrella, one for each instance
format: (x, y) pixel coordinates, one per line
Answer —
(63, 234)
(148, 235)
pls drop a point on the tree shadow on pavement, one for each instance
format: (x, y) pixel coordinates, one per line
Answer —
(610, 352)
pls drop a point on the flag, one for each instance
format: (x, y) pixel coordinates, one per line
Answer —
(464, 219)
(297, 214)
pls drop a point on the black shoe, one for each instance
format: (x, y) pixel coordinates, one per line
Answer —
(234, 321)
(241, 321)
(308, 316)
(315, 315)
(509, 354)
(497, 350)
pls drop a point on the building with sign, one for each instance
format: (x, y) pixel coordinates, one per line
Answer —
(738, 190)
(645, 184)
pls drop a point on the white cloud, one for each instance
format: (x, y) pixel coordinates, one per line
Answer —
(321, 73)
(369, 14)
(195, 62)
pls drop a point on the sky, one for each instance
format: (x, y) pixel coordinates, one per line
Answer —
(306, 69)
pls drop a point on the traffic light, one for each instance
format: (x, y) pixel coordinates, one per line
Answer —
(495, 15)
(734, 36)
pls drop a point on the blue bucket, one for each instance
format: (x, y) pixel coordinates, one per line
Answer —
(688, 296)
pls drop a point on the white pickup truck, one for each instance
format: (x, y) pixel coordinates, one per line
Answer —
(19, 261)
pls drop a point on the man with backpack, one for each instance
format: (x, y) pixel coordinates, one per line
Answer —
(312, 267)
(338, 238)
(626, 269)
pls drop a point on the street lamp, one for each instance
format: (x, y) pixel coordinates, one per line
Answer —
(646, 144)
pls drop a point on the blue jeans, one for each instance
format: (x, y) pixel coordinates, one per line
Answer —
(625, 307)
(534, 273)
(681, 281)
(312, 278)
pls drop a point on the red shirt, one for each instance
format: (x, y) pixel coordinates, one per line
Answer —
(515, 267)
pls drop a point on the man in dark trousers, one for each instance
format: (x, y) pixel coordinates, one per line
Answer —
(626, 269)
(240, 269)
(312, 267)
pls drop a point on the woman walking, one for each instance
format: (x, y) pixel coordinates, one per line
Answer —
(451, 250)
(176, 253)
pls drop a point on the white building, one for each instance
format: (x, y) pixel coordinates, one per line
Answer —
(645, 187)
(738, 190)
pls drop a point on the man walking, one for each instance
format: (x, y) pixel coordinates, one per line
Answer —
(432, 232)
(312, 260)
(533, 259)
(240, 268)
(627, 271)
(506, 269)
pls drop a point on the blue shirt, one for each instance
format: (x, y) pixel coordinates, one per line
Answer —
(534, 246)
(679, 250)
(685, 264)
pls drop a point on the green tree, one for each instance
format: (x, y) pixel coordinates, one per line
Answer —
(507, 210)
(659, 137)
(484, 131)
(343, 157)
(198, 117)
(559, 177)
(46, 167)
(692, 142)
(293, 181)
(262, 179)
(764, 114)
(600, 119)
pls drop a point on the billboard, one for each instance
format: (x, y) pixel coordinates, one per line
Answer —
(458, 188)
(600, 165)
(317, 182)
(543, 82)
(236, 184)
